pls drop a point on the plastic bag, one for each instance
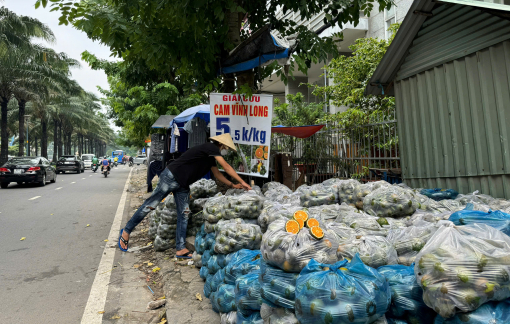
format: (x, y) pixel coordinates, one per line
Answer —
(490, 313)
(242, 263)
(292, 252)
(463, 267)
(390, 201)
(341, 293)
(237, 192)
(440, 194)
(329, 213)
(409, 241)
(248, 205)
(427, 216)
(203, 188)
(442, 206)
(197, 259)
(205, 258)
(161, 244)
(234, 237)
(217, 280)
(154, 220)
(475, 197)
(346, 191)
(496, 219)
(374, 251)
(223, 300)
(248, 293)
(406, 295)
(253, 318)
(274, 212)
(272, 185)
(317, 195)
(342, 231)
(218, 261)
(215, 227)
(277, 286)
(277, 315)
(364, 224)
(207, 285)
(228, 318)
(361, 191)
(204, 272)
(213, 209)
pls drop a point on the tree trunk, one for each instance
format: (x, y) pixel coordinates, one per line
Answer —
(60, 141)
(21, 120)
(55, 140)
(44, 138)
(4, 141)
(36, 147)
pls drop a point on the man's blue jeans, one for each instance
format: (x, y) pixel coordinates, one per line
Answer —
(166, 185)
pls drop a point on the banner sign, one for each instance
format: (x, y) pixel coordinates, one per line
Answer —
(248, 120)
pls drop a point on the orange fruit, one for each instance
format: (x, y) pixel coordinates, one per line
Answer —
(266, 155)
(292, 226)
(301, 223)
(266, 148)
(301, 214)
(317, 232)
(311, 222)
(259, 153)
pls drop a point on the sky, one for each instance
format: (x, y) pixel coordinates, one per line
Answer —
(68, 40)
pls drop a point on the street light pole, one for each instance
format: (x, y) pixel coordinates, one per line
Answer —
(27, 117)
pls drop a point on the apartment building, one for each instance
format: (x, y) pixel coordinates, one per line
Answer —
(375, 25)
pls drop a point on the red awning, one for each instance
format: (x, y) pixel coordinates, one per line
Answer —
(297, 131)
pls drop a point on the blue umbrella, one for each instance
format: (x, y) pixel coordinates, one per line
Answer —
(202, 111)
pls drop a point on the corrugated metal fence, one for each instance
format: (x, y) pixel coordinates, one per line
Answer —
(367, 152)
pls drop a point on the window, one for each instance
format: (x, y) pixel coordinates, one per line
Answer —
(389, 18)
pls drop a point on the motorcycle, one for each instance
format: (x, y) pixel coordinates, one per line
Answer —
(115, 164)
(104, 170)
(130, 164)
(94, 167)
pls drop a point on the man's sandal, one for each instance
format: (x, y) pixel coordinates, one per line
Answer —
(124, 241)
(184, 256)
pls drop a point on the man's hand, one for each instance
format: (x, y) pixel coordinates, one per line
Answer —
(245, 186)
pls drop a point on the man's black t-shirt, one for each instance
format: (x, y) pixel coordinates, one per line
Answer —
(194, 163)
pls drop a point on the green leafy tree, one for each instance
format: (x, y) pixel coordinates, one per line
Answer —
(187, 41)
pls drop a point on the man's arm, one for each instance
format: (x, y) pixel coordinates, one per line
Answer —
(231, 172)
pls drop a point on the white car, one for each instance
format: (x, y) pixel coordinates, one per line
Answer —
(87, 160)
(140, 159)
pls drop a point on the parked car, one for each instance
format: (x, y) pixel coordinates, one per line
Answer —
(87, 160)
(29, 169)
(140, 159)
(70, 163)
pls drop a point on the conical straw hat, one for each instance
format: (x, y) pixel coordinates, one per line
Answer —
(225, 139)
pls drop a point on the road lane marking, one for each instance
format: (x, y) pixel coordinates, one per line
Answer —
(59, 188)
(99, 290)
(34, 198)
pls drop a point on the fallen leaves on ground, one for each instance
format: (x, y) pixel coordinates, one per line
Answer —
(101, 312)
(106, 240)
(22, 239)
(149, 264)
(199, 297)
(163, 321)
(136, 266)
(156, 269)
(88, 225)
(115, 317)
(164, 297)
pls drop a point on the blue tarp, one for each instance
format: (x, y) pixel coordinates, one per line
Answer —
(253, 63)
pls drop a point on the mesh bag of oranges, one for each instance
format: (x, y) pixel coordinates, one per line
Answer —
(279, 315)
(361, 191)
(234, 237)
(276, 211)
(213, 209)
(374, 251)
(342, 293)
(291, 244)
(248, 205)
(346, 191)
(317, 195)
(392, 201)
(277, 287)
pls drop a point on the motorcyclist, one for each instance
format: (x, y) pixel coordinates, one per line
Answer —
(105, 163)
(95, 162)
(131, 160)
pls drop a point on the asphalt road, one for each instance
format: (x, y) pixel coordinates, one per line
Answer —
(47, 277)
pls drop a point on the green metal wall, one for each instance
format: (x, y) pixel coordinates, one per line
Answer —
(453, 122)
(453, 32)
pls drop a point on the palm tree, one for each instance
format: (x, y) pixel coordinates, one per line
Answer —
(16, 33)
